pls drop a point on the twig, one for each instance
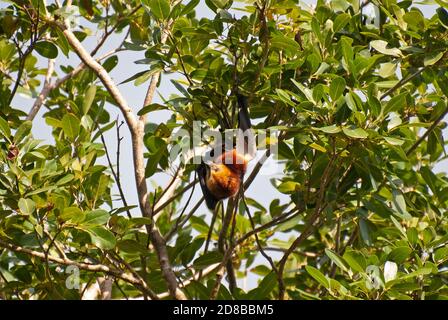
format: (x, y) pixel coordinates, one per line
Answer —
(176, 226)
(187, 76)
(309, 226)
(260, 247)
(165, 203)
(44, 93)
(173, 230)
(402, 82)
(427, 132)
(83, 266)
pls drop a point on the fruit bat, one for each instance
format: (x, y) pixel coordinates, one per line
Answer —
(221, 177)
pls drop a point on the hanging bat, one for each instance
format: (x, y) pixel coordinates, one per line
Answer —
(222, 177)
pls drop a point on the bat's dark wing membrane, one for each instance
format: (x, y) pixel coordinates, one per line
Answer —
(243, 114)
(210, 200)
(245, 125)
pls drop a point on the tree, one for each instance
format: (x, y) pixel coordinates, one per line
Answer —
(359, 110)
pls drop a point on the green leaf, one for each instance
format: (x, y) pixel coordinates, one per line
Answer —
(189, 7)
(150, 108)
(4, 128)
(131, 246)
(399, 204)
(365, 229)
(341, 21)
(107, 127)
(72, 214)
(443, 16)
(96, 217)
(46, 49)
(318, 276)
(285, 151)
(70, 125)
(26, 206)
(355, 260)
(347, 53)
(207, 259)
(62, 42)
(387, 69)
(22, 131)
(282, 42)
(221, 4)
(159, 8)
(357, 133)
(88, 98)
(330, 129)
(393, 141)
(399, 255)
(110, 63)
(318, 147)
(381, 46)
(148, 74)
(432, 57)
(265, 287)
(102, 238)
(441, 255)
(288, 187)
(199, 225)
(337, 87)
(416, 273)
(307, 92)
(135, 76)
(65, 179)
(336, 259)
(412, 235)
(398, 226)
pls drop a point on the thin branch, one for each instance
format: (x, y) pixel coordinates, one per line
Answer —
(107, 33)
(260, 247)
(44, 93)
(302, 253)
(179, 225)
(83, 266)
(402, 82)
(427, 132)
(111, 167)
(165, 203)
(176, 226)
(196, 277)
(309, 226)
(187, 76)
(22, 58)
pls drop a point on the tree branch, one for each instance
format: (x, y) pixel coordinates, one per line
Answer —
(427, 132)
(136, 128)
(44, 93)
(83, 266)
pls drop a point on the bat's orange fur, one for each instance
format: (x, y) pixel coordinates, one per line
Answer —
(223, 182)
(225, 175)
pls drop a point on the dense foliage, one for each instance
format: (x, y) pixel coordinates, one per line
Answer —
(359, 109)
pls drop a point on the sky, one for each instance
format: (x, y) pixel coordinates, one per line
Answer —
(261, 190)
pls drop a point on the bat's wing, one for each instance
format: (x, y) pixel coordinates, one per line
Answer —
(249, 146)
(210, 200)
(243, 114)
